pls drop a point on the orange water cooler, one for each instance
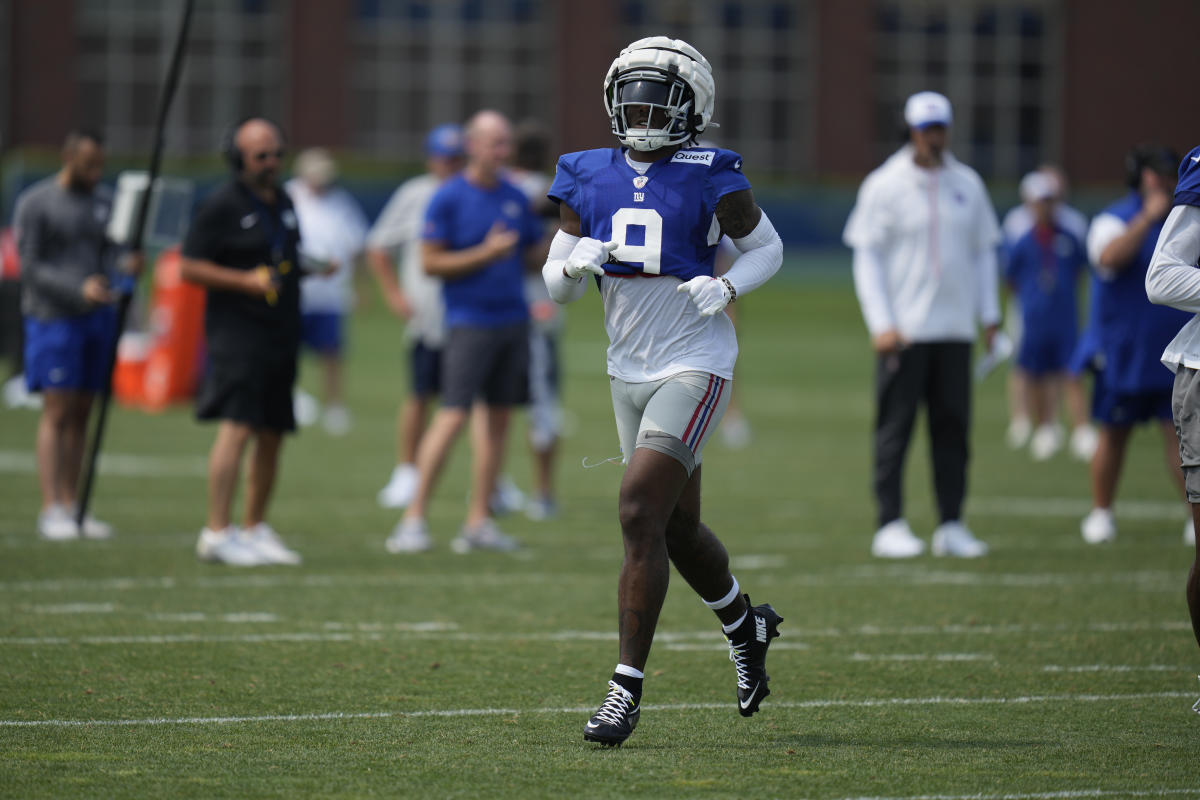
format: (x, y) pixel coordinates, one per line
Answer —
(162, 365)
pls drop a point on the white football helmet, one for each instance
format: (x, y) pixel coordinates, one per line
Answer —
(671, 79)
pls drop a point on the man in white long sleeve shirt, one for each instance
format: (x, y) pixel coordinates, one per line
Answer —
(924, 236)
(1174, 280)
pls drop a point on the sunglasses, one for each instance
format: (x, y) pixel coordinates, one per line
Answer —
(276, 154)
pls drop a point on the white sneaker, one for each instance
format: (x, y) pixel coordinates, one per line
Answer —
(94, 528)
(336, 420)
(896, 540)
(56, 524)
(953, 539)
(305, 408)
(401, 487)
(227, 546)
(263, 538)
(1189, 533)
(735, 432)
(409, 536)
(1098, 526)
(1018, 433)
(1047, 440)
(541, 508)
(484, 536)
(1084, 440)
(506, 497)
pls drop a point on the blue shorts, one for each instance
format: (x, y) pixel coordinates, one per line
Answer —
(1121, 409)
(426, 365)
(322, 331)
(69, 354)
(1045, 353)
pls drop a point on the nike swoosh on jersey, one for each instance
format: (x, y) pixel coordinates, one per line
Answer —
(1196, 159)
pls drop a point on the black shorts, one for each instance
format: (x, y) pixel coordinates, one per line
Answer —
(256, 393)
(488, 364)
(425, 364)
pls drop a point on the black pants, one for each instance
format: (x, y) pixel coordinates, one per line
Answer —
(938, 374)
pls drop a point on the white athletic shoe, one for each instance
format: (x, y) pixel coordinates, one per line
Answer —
(484, 536)
(409, 536)
(227, 546)
(896, 540)
(1084, 440)
(263, 538)
(506, 497)
(337, 420)
(94, 528)
(1189, 533)
(953, 539)
(1046, 442)
(1098, 526)
(401, 487)
(305, 408)
(1018, 433)
(541, 508)
(735, 432)
(56, 524)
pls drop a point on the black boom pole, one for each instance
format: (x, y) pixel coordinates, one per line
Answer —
(135, 243)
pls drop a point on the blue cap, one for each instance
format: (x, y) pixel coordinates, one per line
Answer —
(445, 141)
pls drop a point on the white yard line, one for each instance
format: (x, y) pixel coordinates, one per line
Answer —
(127, 465)
(1153, 580)
(1066, 794)
(1073, 507)
(1115, 668)
(883, 702)
(679, 640)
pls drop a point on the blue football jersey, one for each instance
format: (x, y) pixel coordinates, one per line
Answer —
(1187, 191)
(664, 222)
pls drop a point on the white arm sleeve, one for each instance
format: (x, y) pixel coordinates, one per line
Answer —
(870, 283)
(562, 289)
(988, 294)
(1173, 279)
(761, 254)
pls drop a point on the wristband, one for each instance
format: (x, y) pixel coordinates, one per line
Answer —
(729, 286)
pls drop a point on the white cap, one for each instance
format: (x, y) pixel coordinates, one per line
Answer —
(1038, 186)
(316, 166)
(927, 108)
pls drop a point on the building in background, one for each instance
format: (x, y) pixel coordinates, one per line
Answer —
(807, 90)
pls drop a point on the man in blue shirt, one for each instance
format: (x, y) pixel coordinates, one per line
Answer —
(1131, 332)
(480, 235)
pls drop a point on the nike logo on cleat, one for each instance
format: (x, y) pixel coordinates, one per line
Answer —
(760, 629)
(745, 704)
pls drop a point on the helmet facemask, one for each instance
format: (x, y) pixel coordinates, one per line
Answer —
(650, 109)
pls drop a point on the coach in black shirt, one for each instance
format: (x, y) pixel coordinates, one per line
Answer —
(242, 247)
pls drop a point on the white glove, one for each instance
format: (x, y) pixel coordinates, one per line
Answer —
(589, 256)
(710, 295)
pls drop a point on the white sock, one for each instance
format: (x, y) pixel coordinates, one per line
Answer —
(733, 626)
(717, 605)
(629, 672)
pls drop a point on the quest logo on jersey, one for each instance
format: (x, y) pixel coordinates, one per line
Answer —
(692, 157)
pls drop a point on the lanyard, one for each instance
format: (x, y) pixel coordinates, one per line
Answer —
(277, 234)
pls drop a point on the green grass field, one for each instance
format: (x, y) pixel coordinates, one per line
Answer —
(1048, 669)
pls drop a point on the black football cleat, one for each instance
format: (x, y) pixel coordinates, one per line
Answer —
(616, 718)
(749, 656)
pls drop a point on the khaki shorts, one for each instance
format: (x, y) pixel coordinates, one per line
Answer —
(1185, 410)
(675, 415)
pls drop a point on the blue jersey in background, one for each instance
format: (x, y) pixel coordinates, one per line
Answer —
(459, 216)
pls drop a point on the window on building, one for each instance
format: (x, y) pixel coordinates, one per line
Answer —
(996, 61)
(420, 64)
(234, 67)
(761, 52)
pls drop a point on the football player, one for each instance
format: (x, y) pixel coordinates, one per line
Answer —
(644, 220)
